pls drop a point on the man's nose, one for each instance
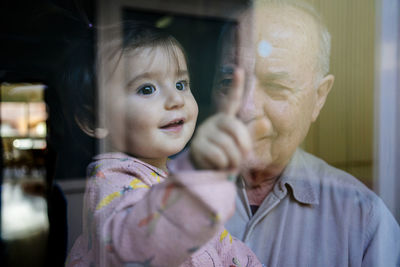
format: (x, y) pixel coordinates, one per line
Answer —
(250, 108)
(174, 99)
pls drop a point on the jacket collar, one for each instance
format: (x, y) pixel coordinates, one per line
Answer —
(124, 157)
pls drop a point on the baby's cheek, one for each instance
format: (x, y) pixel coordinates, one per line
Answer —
(193, 108)
(139, 116)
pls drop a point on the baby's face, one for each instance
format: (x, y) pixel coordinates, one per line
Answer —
(159, 108)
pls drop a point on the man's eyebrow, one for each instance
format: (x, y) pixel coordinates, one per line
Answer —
(275, 78)
(271, 76)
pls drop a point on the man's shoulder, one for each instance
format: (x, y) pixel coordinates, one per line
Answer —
(330, 179)
(352, 207)
(347, 196)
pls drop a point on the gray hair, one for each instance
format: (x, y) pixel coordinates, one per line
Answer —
(324, 36)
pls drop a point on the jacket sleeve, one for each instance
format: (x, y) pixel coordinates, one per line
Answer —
(130, 223)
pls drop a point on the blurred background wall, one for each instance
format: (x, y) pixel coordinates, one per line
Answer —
(343, 134)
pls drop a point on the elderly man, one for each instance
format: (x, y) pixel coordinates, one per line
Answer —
(292, 209)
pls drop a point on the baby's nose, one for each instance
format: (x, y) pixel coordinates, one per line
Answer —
(174, 99)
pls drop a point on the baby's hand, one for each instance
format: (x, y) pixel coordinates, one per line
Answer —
(222, 141)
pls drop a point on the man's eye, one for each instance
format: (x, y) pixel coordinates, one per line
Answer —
(147, 90)
(226, 82)
(181, 85)
(224, 85)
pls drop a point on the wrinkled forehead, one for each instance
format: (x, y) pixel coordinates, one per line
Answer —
(286, 27)
(286, 37)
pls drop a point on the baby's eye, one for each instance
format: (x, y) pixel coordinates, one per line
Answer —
(147, 89)
(181, 85)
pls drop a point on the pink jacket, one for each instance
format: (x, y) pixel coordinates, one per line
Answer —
(134, 216)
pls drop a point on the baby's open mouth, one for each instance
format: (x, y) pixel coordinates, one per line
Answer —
(173, 124)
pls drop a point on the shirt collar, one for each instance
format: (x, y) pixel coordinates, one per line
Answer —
(299, 175)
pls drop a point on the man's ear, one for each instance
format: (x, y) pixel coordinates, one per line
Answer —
(323, 90)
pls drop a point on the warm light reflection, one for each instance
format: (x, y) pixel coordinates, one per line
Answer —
(22, 215)
(29, 144)
(23, 119)
(23, 129)
(40, 129)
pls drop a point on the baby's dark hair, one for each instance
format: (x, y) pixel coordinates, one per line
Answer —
(139, 35)
(145, 35)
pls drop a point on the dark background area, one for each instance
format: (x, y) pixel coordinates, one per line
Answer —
(34, 36)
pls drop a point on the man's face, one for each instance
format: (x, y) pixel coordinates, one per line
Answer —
(159, 109)
(280, 103)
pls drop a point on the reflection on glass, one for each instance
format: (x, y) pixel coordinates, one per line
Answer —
(24, 222)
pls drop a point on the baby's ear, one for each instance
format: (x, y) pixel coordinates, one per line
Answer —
(86, 123)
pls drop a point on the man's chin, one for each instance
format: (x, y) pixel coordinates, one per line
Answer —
(256, 162)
